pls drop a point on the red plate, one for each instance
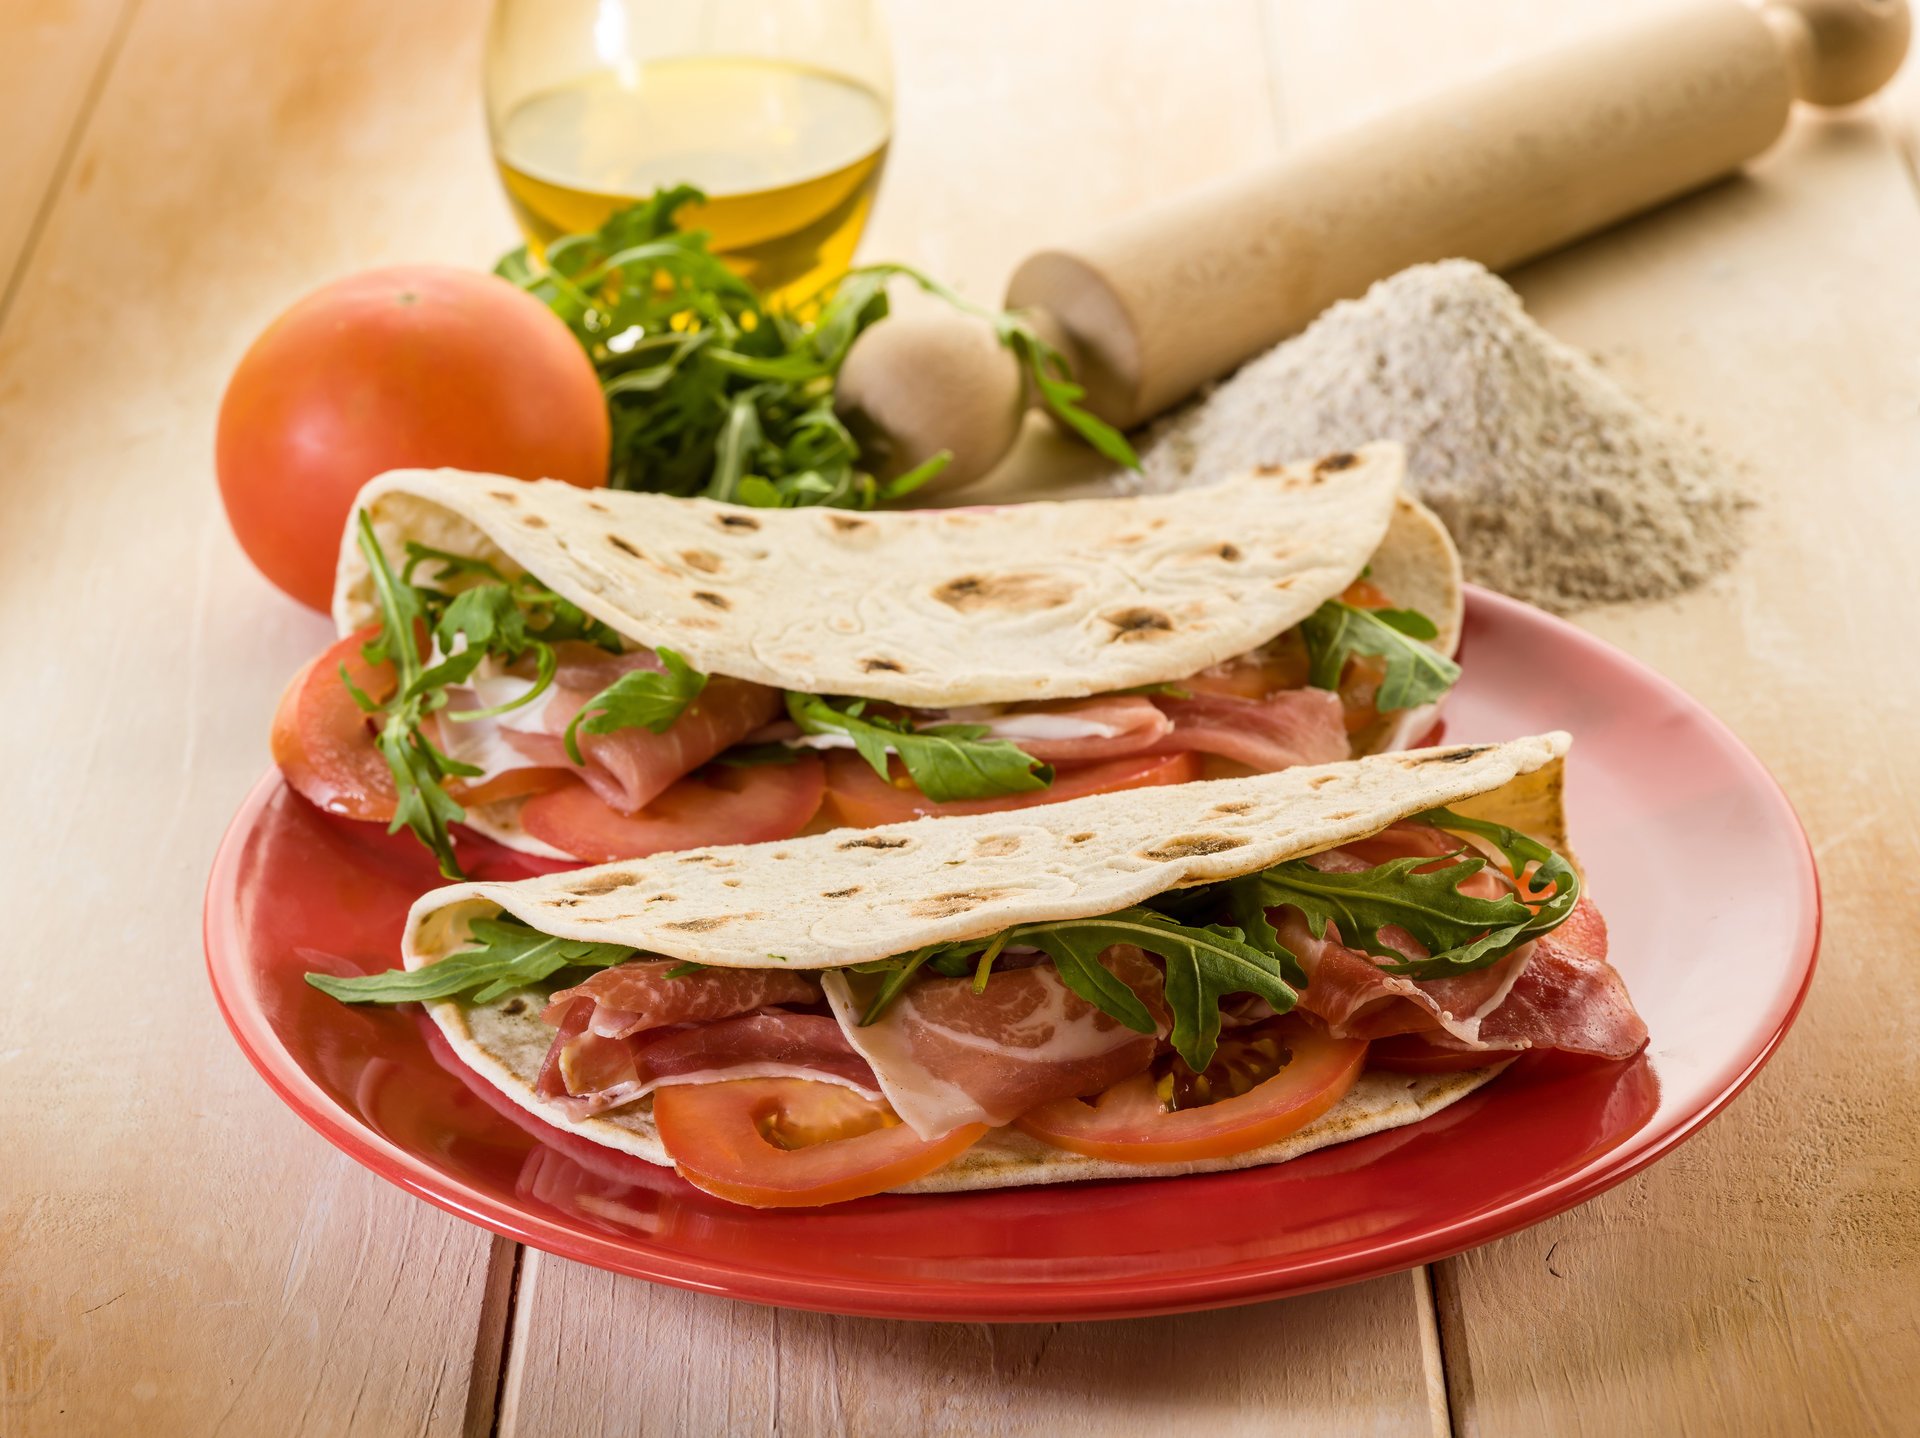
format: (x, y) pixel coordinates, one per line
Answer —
(1666, 806)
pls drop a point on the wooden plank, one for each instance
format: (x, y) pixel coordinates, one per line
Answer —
(594, 1354)
(54, 56)
(1016, 124)
(178, 1253)
(1761, 1279)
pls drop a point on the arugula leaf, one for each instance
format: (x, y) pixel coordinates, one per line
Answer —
(508, 955)
(638, 699)
(1416, 673)
(422, 803)
(713, 389)
(945, 761)
(1459, 931)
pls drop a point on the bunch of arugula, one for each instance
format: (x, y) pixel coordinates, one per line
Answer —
(712, 391)
(436, 638)
(1205, 963)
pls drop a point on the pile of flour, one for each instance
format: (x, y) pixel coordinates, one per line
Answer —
(1558, 487)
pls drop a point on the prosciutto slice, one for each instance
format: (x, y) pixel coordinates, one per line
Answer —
(945, 1056)
(1558, 992)
(1132, 724)
(638, 995)
(587, 1073)
(630, 767)
(1293, 726)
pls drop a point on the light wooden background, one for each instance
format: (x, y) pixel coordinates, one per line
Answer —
(179, 1254)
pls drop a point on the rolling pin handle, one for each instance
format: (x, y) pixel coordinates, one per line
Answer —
(1839, 51)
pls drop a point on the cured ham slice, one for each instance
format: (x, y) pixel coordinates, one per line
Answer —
(631, 997)
(1054, 733)
(1568, 997)
(588, 1073)
(1293, 726)
(629, 767)
(946, 1056)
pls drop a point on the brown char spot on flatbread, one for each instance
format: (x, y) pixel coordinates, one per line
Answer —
(663, 898)
(731, 883)
(624, 546)
(1137, 623)
(1334, 463)
(514, 1007)
(846, 893)
(1320, 781)
(712, 600)
(870, 841)
(533, 521)
(707, 923)
(882, 666)
(1237, 806)
(1193, 846)
(1015, 593)
(704, 560)
(1228, 552)
(960, 901)
(997, 846)
(1269, 469)
(505, 496)
(847, 524)
(597, 507)
(1457, 756)
(741, 522)
(603, 884)
(1078, 838)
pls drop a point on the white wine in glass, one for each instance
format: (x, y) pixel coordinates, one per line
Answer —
(779, 110)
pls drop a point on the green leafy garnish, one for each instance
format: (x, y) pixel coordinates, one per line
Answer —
(712, 390)
(1416, 673)
(945, 761)
(638, 699)
(491, 617)
(507, 955)
(1459, 931)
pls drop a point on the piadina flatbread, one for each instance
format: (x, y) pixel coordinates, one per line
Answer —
(940, 609)
(845, 897)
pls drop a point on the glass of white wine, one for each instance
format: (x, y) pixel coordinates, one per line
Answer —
(779, 110)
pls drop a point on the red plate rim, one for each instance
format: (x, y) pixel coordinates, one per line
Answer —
(1036, 1301)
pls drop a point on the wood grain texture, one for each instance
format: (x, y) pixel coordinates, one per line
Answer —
(55, 56)
(177, 1252)
(594, 1354)
(1760, 1280)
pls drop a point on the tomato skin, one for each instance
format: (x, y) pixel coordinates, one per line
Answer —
(321, 740)
(415, 366)
(717, 805)
(716, 1134)
(1127, 1124)
(862, 799)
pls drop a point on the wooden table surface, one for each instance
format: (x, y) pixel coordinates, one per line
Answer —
(180, 1254)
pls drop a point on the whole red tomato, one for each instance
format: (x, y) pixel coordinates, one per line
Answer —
(416, 366)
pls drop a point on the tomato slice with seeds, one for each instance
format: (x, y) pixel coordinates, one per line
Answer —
(794, 1143)
(862, 799)
(1129, 1123)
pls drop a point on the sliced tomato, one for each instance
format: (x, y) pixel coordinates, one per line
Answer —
(863, 799)
(715, 805)
(794, 1143)
(323, 743)
(1413, 1054)
(1129, 1124)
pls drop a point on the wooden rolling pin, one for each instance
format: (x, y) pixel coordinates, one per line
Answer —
(1499, 170)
